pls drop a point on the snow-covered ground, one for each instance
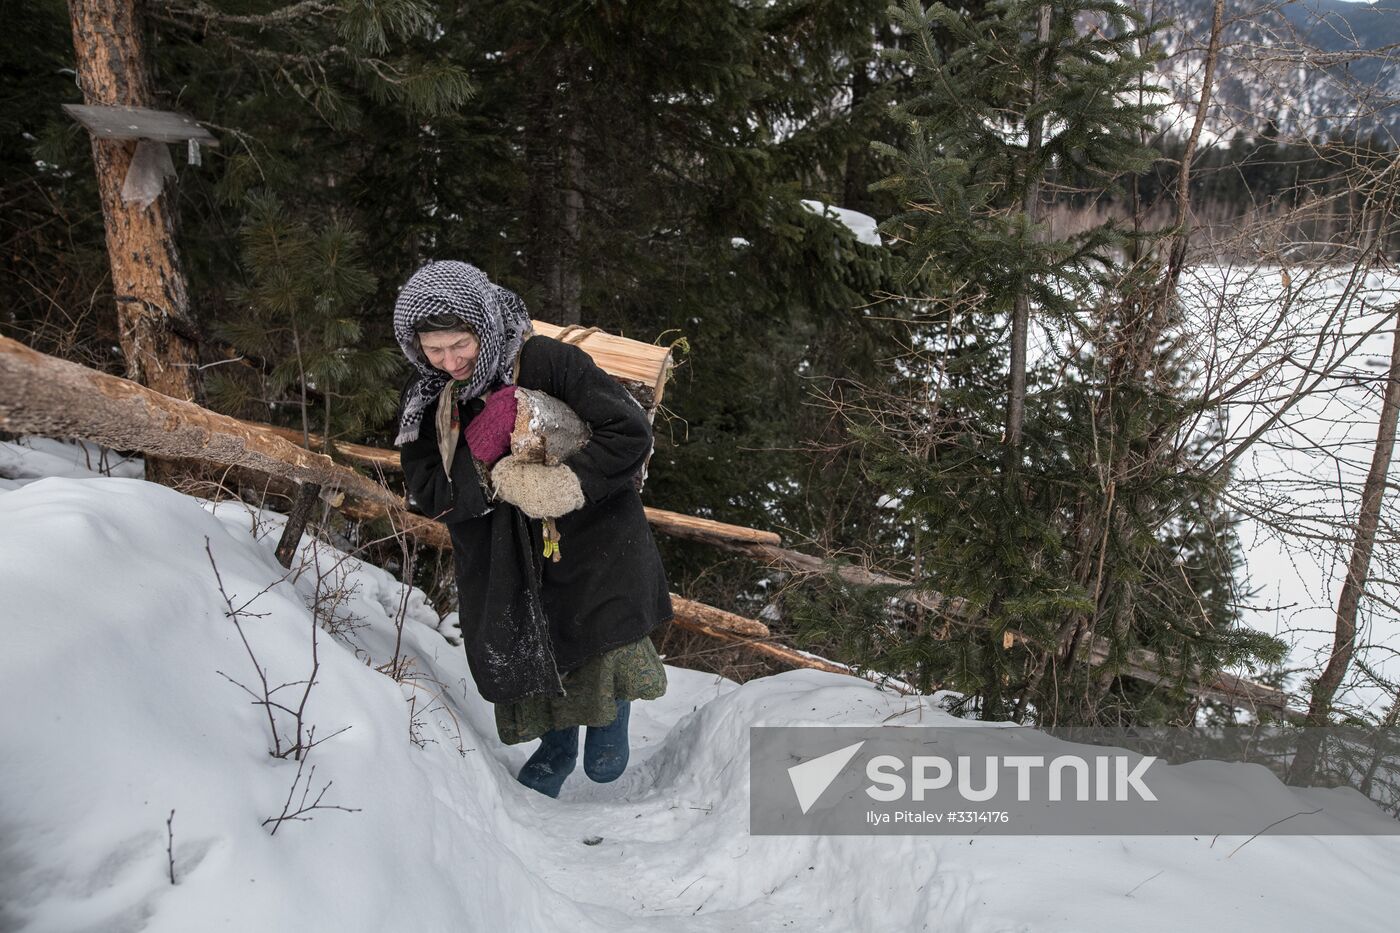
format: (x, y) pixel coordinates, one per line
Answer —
(118, 683)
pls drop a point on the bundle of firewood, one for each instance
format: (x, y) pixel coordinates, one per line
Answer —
(642, 368)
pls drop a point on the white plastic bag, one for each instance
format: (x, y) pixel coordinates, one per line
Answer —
(150, 167)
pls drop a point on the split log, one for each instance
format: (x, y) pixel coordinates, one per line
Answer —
(688, 611)
(642, 368)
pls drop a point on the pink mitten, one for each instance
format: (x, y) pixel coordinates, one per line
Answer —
(488, 435)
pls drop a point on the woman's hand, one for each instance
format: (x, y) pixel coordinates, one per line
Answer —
(538, 490)
(488, 435)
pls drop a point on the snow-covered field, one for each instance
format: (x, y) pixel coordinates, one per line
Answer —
(117, 680)
(1322, 335)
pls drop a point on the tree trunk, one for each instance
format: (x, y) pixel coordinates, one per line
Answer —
(857, 175)
(1176, 260)
(1030, 207)
(541, 170)
(1354, 586)
(570, 276)
(554, 203)
(1324, 691)
(157, 335)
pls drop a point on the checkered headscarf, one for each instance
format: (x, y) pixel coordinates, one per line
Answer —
(496, 314)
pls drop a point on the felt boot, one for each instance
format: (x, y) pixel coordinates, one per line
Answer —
(552, 762)
(605, 748)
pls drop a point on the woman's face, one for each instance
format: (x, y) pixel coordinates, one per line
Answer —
(452, 351)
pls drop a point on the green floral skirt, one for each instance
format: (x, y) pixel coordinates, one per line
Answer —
(631, 672)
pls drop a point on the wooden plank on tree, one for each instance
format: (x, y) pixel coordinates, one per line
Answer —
(157, 333)
(164, 126)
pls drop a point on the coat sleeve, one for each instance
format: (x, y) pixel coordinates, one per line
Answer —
(429, 491)
(620, 436)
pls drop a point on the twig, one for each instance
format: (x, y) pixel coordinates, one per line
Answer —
(1269, 827)
(233, 614)
(303, 808)
(1141, 883)
(170, 844)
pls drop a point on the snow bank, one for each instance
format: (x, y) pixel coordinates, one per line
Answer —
(116, 634)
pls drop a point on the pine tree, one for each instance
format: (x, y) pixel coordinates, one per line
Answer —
(301, 305)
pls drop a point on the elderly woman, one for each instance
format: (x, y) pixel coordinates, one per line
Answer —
(555, 640)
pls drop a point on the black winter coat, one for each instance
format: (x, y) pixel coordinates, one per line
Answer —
(608, 588)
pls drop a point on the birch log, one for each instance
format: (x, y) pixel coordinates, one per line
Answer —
(546, 430)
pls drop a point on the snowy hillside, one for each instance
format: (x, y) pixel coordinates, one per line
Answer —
(1311, 66)
(117, 678)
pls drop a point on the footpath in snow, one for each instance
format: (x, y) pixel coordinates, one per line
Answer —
(119, 678)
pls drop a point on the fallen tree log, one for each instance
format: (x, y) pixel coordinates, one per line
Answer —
(689, 612)
(41, 394)
(387, 460)
(707, 530)
(789, 656)
(1141, 665)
